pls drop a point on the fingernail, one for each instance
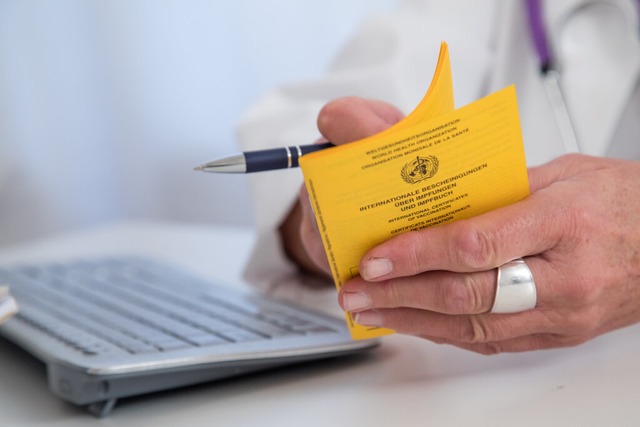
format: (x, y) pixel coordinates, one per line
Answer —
(368, 318)
(353, 301)
(376, 267)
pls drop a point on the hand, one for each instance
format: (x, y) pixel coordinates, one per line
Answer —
(579, 232)
(340, 121)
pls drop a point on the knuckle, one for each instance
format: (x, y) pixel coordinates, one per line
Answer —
(411, 245)
(415, 252)
(583, 323)
(473, 247)
(581, 295)
(474, 330)
(462, 296)
(574, 325)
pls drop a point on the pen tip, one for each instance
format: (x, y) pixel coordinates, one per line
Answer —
(199, 168)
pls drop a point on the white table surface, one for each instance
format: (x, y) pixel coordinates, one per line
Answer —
(405, 382)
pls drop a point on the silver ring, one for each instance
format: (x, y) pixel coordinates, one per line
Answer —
(515, 288)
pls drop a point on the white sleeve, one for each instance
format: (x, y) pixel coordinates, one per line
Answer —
(391, 58)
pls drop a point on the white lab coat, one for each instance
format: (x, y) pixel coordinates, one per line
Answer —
(393, 57)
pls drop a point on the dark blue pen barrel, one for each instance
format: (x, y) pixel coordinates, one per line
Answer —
(279, 158)
(266, 160)
(306, 149)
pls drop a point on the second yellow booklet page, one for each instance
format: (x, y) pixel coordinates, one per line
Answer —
(418, 174)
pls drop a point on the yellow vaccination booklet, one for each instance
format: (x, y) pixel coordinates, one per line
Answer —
(435, 166)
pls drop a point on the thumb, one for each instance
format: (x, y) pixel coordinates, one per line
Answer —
(352, 118)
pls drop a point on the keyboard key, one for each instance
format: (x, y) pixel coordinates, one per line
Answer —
(239, 335)
(206, 340)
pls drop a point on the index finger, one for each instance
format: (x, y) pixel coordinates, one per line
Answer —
(480, 243)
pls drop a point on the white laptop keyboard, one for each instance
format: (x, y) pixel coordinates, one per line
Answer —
(141, 307)
(114, 327)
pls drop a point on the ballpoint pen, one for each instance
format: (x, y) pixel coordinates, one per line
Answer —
(262, 160)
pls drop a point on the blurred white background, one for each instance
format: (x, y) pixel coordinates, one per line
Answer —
(106, 105)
